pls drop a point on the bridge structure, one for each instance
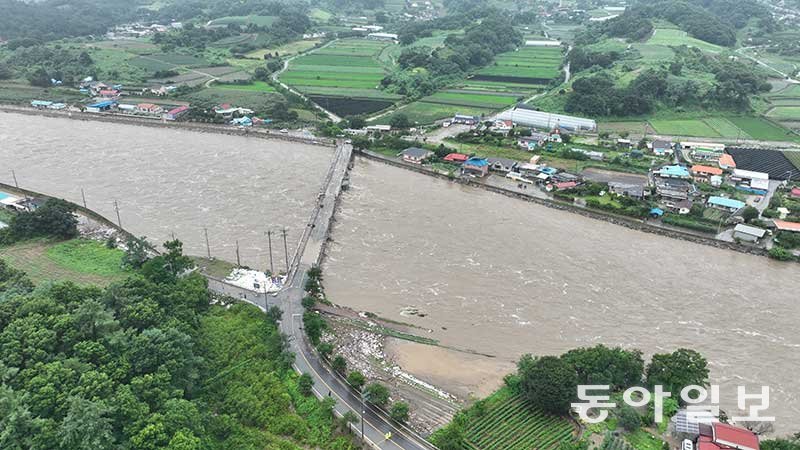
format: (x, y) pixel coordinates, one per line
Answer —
(375, 426)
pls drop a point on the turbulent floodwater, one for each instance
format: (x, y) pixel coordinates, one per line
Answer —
(504, 277)
(171, 181)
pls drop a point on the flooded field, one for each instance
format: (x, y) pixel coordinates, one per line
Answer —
(171, 181)
(503, 277)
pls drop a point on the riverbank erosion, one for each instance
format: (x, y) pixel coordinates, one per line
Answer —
(172, 182)
(497, 276)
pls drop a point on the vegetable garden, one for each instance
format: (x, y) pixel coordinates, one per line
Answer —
(510, 423)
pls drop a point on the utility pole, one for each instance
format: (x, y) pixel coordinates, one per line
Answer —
(208, 247)
(269, 240)
(286, 251)
(14, 175)
(83, 196)
(116, 208)
(238, 261)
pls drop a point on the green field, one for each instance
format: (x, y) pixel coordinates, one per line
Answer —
(425, 113)
(793, 157)
(725, 128)
(672, 37)
(683, 127)
(255, 86)
(340, 74)
(477, 100)
(289, 49)
(509, 423)
(785, 112)
(762, 129)
(78, 260)
(528, 65)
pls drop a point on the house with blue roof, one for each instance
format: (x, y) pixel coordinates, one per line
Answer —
(674, 171)
(101, 106)
(726, 204)
(475, 166)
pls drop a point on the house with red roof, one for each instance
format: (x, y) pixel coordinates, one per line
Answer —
(456, 158)
(722, 436)
(795, 192)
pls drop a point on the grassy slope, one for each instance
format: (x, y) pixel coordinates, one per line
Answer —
(81, 261)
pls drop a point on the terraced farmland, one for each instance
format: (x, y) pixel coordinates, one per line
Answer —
(511, 424)
(342, 77)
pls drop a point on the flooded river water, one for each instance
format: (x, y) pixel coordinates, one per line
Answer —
(171, 181)
(503, 277)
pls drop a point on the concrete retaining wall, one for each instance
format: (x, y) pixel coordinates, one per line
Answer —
(564, 206)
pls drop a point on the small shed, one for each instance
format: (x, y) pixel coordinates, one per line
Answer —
(748, 233)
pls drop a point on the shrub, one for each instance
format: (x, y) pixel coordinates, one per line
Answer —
(377, 394)
(308, 302)
(356, 380)
(339, 364)
(304, 384)
(399, 412)
(629, 418)
(780, 253)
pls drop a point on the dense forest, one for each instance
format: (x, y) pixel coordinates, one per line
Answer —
(147, 363)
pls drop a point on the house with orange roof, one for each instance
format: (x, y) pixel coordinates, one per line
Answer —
(704, 173)
(783, 225)
(149, 108)
(726, 162)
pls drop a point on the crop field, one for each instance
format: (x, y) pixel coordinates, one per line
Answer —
(477, 100)
(262, 21)
(785, 112)
(292, 48)
(511, 424)
(762, 129)
(793, 157)
(255, 86)
(672, 37)
(425, 113)
(683, 127)
(529, 65)
(343, 77)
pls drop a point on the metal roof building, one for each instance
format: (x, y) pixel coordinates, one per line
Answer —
(524, 116)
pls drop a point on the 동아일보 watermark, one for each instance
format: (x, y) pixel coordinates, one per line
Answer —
(701, 404)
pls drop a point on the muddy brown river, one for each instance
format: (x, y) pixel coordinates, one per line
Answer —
(171, 181)
(504, 277)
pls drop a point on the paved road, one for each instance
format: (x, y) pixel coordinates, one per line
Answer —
(376, 423)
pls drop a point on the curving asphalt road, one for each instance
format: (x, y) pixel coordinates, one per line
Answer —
(380, 432)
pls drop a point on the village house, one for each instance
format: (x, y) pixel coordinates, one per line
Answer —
(675, 171)
(725, 204)
(662, 148)
(722, 436)
(379, 128)
(415, 155)
(533, 141)
(674, 189)
(174, 113)
(782, 225)
(626, 189)
(703, 151)
(748, 233)
(465, 120)
(795, 192)
(624, 143)
(703, 174)
(475, 166)
(101, 106)
(149, 108)
(456, 158)
(504, 165)
(726, 162)
(502, 126)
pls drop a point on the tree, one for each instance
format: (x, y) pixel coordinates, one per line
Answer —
(450, 437)
(325, 349)
(314, 325)
(356, 122)
(87, 427)
(399, 412)
(377, 394)
(749, 213)
(308, 302)
(548, 382)
(356, 380)
(136, 252)
(602, 365)
(629, 419)
(400, 120)
(339, 364)
(676, 370)
(304, 384)
(54, 218)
